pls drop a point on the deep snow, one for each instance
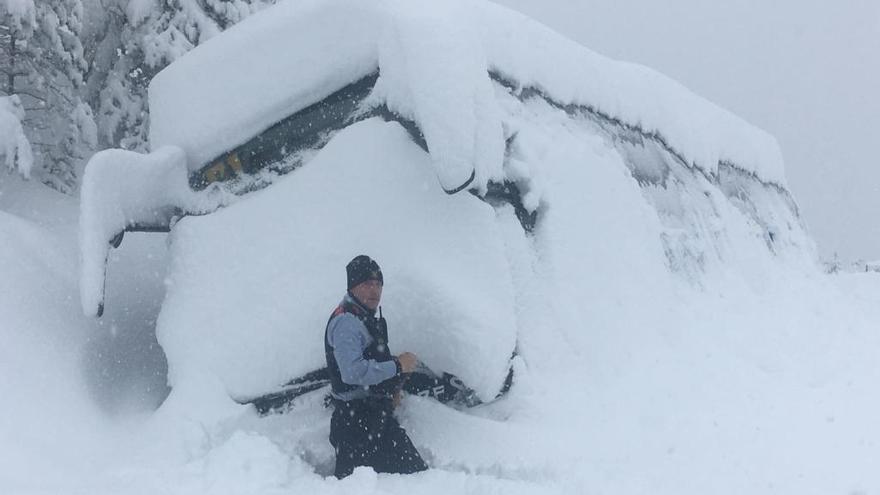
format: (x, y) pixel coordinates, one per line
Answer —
(632, 378)
(63, 372)
(674, 331)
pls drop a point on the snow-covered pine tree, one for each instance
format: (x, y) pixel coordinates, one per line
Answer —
(141, 38)
(41, 61)
(15, 149)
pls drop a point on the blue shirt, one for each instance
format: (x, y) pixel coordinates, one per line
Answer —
(348, 337)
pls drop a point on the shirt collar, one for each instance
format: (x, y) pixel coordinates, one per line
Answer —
(349, 297)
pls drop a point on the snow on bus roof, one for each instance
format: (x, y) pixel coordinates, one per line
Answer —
(434, 61)
(258, 72)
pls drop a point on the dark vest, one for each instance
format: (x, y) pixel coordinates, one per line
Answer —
(376, 350)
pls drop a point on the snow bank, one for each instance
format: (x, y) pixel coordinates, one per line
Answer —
(51, 430)
(15, 148)
(56, 436)
(434, 61)
(121, 189)
(251, 286)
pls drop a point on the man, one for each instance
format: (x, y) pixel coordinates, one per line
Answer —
(366, 380)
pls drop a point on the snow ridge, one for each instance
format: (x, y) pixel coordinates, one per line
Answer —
(535, 56)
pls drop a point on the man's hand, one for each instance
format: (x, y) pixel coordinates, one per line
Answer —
(408, 362)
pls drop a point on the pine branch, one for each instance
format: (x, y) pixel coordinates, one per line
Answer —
(35, 123)
(13, 74)
(28, 93)
(114, 9)
(213, 15)
(59, 92)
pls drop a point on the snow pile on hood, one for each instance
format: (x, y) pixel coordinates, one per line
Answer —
(15, 149)
(434, 60)
(251, 286)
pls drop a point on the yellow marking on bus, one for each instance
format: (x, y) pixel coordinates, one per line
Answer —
(234, 162)
(215, 172)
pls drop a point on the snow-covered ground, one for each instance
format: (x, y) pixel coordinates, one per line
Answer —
(674, 331)
(632, 378)
(66, 375)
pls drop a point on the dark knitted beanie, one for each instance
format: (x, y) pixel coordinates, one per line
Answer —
(361, 269)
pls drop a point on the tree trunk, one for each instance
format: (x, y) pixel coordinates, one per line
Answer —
(10, 82)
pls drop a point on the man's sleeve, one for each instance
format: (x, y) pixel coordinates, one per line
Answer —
(348, 338)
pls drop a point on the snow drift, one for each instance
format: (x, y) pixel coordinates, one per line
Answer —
(51, 428)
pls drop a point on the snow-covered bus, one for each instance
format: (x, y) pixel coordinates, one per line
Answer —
(499, 172)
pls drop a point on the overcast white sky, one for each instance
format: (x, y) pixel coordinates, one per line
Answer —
(807, 71)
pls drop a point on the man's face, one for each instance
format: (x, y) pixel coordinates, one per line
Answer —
(369, 293)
